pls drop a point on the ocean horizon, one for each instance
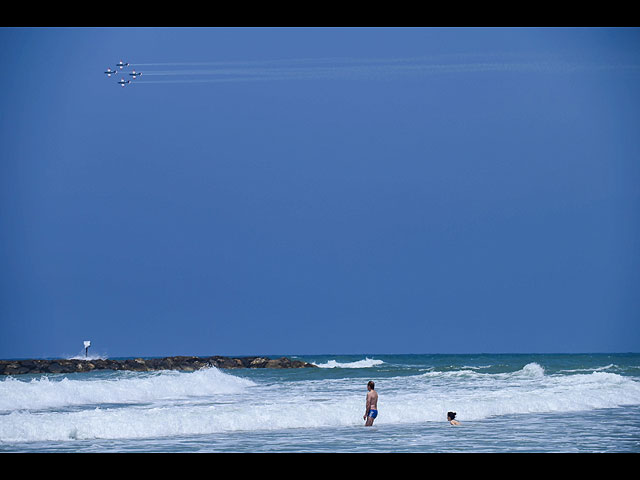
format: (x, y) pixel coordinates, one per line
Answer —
(574, 403)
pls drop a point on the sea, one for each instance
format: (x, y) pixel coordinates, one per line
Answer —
(520, 403)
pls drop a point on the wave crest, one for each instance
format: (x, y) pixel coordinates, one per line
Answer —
(45, 393)
(366, 363)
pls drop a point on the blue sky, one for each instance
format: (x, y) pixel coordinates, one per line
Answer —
(319, 190)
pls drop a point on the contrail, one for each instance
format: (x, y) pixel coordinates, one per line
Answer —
(327, 68)
(302, 61)
(436, 58)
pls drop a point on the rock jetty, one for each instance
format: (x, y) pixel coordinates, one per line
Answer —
(188, 364)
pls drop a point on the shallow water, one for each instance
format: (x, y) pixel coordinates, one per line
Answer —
(506, 403)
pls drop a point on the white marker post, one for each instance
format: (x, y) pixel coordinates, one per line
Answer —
(87, 344)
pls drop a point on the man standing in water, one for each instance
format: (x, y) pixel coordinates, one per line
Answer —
(372, 405)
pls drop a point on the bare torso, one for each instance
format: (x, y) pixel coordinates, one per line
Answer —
(372, 400)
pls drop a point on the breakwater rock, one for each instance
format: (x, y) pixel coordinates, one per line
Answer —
(189, 364)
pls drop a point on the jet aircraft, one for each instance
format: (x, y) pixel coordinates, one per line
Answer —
(123, 82)
(134, 74)
(121, 64)
(109, 72)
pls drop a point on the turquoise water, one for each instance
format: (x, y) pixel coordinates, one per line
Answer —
(506, 403)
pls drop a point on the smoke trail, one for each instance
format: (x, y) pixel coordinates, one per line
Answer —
(335, 68)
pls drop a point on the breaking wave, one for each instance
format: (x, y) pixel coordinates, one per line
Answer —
(43, 393)
(137, 405)
(366, 363)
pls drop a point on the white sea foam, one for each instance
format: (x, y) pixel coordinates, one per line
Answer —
(366, 363)
(137, 406)
(529, 371)
(130, 388)
(596, 369)
(477, 396)
(81, 356)
(84, 355)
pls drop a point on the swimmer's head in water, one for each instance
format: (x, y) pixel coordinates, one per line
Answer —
(451, 415)
(371, 385)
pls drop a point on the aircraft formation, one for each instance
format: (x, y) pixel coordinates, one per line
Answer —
(119, 66)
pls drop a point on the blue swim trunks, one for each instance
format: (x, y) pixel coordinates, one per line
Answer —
(373, 413)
